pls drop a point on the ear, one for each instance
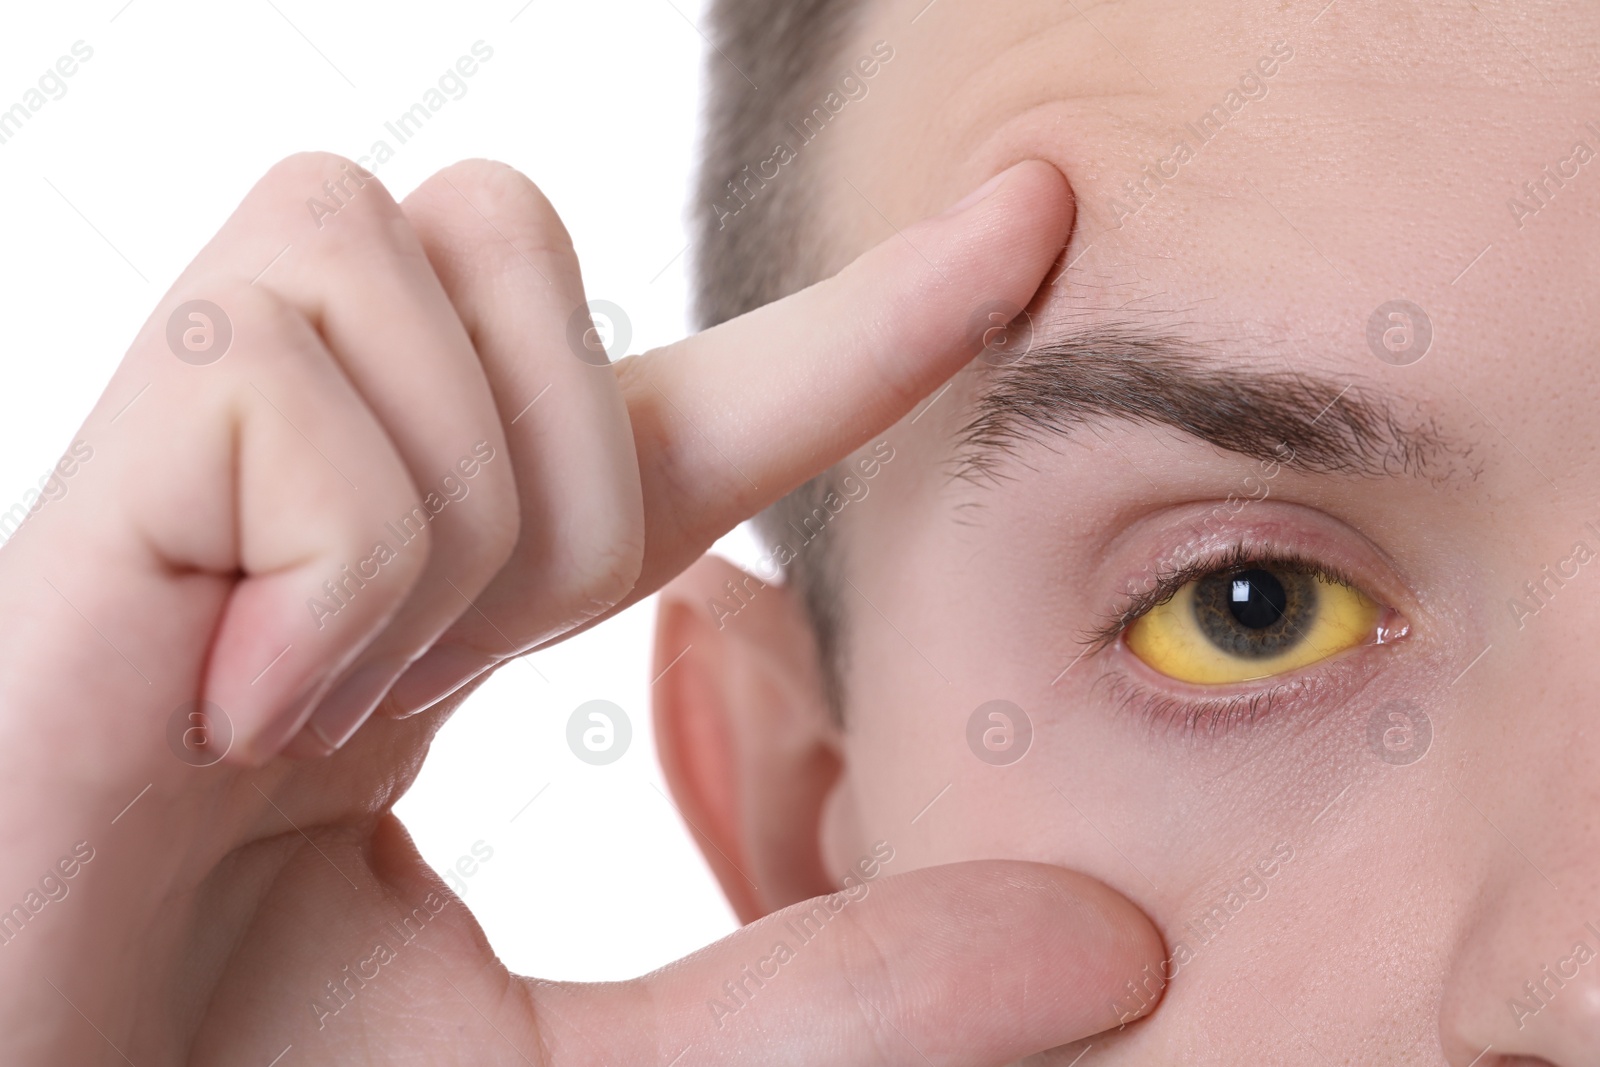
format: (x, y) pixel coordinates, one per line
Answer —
(744, 733)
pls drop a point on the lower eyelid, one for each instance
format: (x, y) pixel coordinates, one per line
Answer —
(1306, 693)
(1163, 713)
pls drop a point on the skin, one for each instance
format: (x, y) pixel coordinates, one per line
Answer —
(1421, 896)
(179, 913)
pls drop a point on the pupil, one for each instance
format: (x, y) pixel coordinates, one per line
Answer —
(1256, 598)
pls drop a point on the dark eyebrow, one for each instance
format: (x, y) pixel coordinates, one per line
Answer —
(1135, 372)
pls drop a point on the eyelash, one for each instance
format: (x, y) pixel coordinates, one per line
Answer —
(1170, 579)
(1214, 716)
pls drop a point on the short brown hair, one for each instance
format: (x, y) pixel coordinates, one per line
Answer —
(769, 60)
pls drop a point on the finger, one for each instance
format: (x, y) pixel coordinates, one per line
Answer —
(730, 420)
(360, 275)
(966, 965)
(222, 470)
(508, 266)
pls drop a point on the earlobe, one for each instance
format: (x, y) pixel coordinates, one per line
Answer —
(743, 732)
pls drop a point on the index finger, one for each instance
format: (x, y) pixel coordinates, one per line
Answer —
(728, 421)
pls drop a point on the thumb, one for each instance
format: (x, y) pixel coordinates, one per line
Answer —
(967, 964)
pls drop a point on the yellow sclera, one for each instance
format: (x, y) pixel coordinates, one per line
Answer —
(1170, 640)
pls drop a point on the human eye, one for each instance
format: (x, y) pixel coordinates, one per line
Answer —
(1249, 619)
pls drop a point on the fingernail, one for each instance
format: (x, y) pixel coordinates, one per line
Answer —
(349, 704)
(977, 195)
(441, 671)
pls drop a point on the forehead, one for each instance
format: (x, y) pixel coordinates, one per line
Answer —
(1274, 175)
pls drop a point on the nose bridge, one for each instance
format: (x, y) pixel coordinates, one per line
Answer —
(1525, 981)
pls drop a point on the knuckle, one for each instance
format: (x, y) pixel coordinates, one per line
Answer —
(515, 206)
(594, 559)
(338, 216)
(609, 568)
(502, 191)
(299, 168)
(321, 184)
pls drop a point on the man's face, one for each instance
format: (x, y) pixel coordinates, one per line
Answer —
(1366, 856)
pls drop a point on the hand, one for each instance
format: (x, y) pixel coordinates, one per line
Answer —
(378, 472)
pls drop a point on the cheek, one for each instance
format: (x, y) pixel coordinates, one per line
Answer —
(890, 765)
(1307, 953)
(927, 767)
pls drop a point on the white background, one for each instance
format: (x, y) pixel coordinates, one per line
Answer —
(110, 190)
